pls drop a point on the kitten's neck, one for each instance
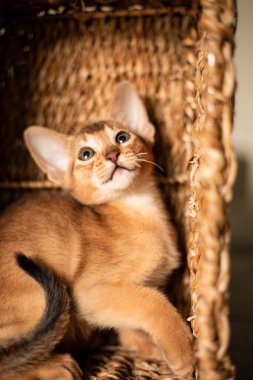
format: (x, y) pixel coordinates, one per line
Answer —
(145, 198)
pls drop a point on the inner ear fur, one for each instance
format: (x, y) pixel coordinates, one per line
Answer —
(50, 150)
(128, 109)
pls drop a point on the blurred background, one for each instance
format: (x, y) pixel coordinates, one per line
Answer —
(242, 207)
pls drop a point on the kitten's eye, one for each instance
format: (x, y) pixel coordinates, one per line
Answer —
(85, 154)
(122, 137)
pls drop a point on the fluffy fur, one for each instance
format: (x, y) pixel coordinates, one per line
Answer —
(107, 237)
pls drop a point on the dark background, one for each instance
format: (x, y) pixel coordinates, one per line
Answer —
(241, 296)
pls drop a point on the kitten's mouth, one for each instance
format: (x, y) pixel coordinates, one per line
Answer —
(118, 168)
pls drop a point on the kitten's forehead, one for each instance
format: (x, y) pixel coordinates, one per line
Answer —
(98, 134)
(99, 126)
(94, 128)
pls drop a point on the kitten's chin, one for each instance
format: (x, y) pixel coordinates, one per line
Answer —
(120, 180)
(101, 192)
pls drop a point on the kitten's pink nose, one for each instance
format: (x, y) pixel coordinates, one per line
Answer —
(112, 154)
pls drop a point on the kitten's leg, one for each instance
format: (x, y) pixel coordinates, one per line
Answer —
(57, 367)
(138, 307)
(138, 340)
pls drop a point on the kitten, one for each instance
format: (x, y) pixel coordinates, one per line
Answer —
(99, 254)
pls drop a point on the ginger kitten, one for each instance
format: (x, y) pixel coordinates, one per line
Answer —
(93, 256)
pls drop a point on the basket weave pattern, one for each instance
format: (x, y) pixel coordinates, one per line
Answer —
(212, 173)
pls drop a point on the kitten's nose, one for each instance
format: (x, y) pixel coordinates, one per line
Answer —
(112, 154)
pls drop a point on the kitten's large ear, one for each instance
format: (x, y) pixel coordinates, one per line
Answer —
(127, 108)
(50, 151)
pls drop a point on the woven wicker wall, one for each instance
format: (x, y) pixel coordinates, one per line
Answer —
(61, 73)
(212, 172)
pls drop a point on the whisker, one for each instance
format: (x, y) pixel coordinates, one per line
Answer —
(151, 162)
(138, 154)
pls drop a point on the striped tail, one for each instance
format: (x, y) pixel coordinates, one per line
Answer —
(27, 351)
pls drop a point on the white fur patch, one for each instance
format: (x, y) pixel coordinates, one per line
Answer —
(142, 202)
(121, 180)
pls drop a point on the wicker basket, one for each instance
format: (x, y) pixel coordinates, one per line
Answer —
(60, 62)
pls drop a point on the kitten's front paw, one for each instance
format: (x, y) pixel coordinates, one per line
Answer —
(179, 350)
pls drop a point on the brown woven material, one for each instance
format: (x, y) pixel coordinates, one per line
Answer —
(212, 173)
(113, 363)
(61, 73)
(90, 8)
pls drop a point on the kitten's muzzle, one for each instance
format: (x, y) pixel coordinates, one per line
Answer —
(120, 167)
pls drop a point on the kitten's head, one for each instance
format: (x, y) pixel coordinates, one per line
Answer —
(103, 161)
